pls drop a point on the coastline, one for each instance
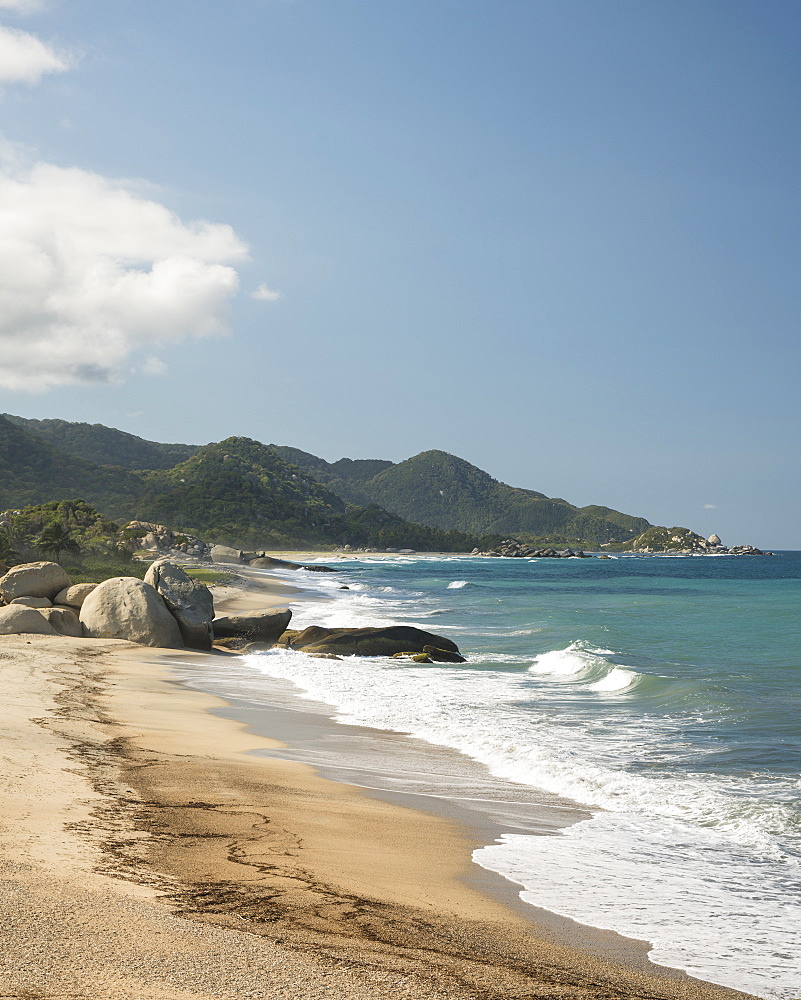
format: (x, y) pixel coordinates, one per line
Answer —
(153, 804)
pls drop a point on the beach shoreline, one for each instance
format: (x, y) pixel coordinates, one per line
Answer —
(239, 874)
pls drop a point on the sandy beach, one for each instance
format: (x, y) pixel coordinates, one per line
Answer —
(146, 854)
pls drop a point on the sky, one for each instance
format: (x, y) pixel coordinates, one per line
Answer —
(557, 238)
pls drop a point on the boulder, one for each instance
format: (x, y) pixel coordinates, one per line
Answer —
(16, 619)
(32, 602)
(225, 554)
(36, 579)
(74, 596)
(443, 655)
(189, 601)
(369, 641)
(126, 608)
(242, 646)
(270, 562)
(64, 621)
(267, 625)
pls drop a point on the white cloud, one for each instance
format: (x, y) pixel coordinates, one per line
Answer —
(710, 506)
(21, 6)
(92, 274)
(25, 58)
(265, 294)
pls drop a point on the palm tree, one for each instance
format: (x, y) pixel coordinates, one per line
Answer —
(8, 554)
(54, 539)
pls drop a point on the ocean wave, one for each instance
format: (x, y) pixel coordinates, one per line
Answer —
(650, 880)
(457, 584)
(454, 706)
(618, 679)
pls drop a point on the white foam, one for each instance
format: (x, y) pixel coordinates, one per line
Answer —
(693, 862)
(577, 658)
(650, 880)
(457, 584)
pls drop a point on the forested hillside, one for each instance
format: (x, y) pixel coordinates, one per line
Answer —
(242, 492)
(444, 491)
(33, 471)
(294, 495)
(238, 491)
(105, 445)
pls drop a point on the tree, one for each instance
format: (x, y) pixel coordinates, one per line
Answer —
(8, 554)
(55, 539)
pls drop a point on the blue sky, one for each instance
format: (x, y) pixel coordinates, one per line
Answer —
(558, 239)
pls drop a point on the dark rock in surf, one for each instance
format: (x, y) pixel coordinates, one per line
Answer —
(369, 641)
(257, 626)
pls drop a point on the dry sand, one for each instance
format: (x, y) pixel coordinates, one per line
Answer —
(144, 854)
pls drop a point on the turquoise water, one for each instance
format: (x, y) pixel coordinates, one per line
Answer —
(664, 693)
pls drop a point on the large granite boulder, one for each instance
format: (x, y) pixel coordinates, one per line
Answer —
(126, 608)
(16, 619)
(225, 554)
(32, 602)
(36, 579)
(64, 621)
(369, 641)
(257, 626)
(74, 596)
(189, 601)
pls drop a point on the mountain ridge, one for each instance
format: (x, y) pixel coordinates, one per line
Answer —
(433, 490)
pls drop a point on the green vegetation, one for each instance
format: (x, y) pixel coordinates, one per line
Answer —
(88, 545)
(661, 539)
(33, 471)
(105, 445)
(444, 491)
(241, 492)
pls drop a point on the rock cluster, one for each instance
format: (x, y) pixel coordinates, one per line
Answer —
(512, 548)
(34, 598)
(683, 542)
(160, 538)
(169, 610)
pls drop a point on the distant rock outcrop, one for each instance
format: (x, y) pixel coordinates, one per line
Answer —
(512, 548)
(160, 538)
(682, 541)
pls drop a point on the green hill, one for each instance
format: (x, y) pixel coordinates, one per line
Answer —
(102, 445)
(280, 495)
(32, 471)
(344, 477)
(444, 491)
(238, 491)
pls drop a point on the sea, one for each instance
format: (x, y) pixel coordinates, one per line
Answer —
(651, 702)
